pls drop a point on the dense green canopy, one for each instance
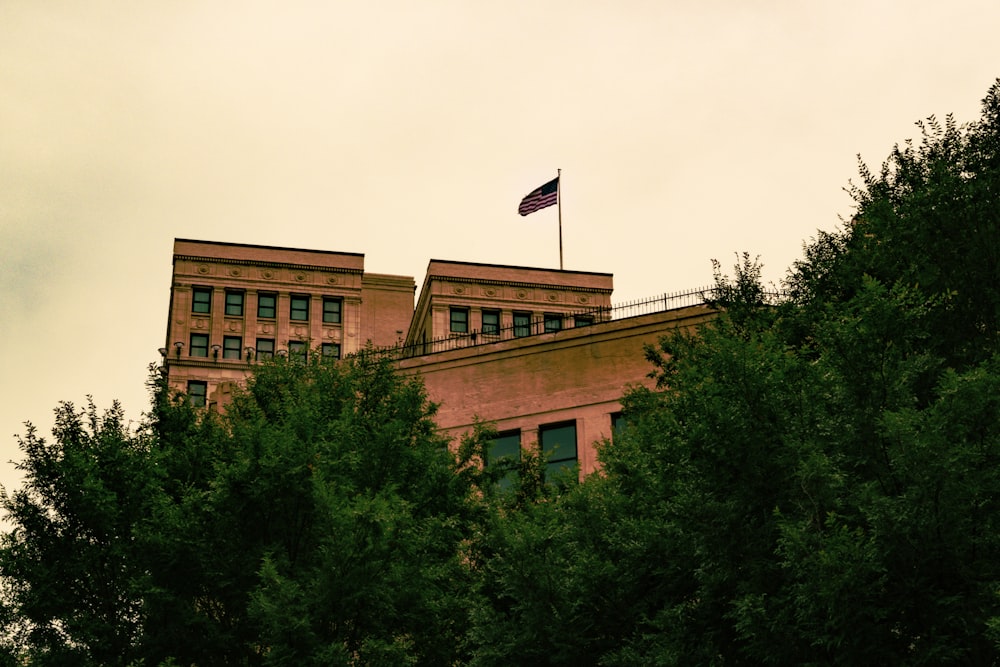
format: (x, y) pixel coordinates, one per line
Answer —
(812, 482)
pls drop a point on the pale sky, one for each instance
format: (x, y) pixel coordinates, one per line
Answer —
(410, 130)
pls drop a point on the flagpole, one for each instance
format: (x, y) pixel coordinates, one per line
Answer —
(559, 202)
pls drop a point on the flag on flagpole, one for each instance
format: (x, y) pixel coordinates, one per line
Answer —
(539, 198)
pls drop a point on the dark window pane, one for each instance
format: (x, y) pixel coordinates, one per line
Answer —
(491, 322)
(460, 320)
(267, 305)
(522, 324)
(197, 393)
(201, 300)
(232, 347)
(552, 322)
(299, 308)
(297, 350)
(199, 345)
(332, 310)
(234, 304)
(558, 443)
(331, 350)
(265, 348)
(505, 447)
(583, 320)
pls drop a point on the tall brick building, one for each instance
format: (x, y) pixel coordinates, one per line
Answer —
(542, 353)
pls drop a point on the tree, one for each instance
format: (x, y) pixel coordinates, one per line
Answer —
(69, 569)
(928, 221)
(326, 532)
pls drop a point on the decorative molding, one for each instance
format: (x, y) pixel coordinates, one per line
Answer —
(204, 261)
(519, 284)
(203, 269)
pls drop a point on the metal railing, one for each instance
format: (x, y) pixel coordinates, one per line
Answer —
(543, 324)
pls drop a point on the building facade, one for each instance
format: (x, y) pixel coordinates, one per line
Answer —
(541, 353)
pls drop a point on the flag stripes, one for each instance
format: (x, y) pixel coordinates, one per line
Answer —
(539, 198)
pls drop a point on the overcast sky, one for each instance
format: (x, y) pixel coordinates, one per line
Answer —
(410, 130)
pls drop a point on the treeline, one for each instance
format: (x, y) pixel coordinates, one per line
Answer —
(810, 483)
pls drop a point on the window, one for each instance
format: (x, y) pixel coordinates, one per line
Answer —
(506, 449)
(267, 305)
(299, 308)
(297, 350)
(553, 322)
(522, 324)
(491, 322)
(583, 320)
(459, 320)
(331, 350)
(199, 345)
(201, 300)
(197, 393)
(265, 348)
(332, 307)
(618, 422)
(234, 303)
(558, 443)
(232, 347)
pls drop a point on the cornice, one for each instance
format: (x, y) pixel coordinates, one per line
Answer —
(518, 283)
(272, 265)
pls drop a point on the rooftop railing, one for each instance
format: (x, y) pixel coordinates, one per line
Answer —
(542, 324)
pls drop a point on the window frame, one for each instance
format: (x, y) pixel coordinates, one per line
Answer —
(197, 399)
(202, 338)
(330, 351)
(228, 347)
(553, 464)
(206, 303)
(462, 322)
(490, 328)
(512, 436)
(235, 302)
(552, 322)
(583, 320)
(301, 298)
(273, 297)
(522, 323)
(298, 350)
(261, 349)
(331, 314)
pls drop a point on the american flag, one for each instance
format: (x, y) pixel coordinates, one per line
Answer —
(539, 198)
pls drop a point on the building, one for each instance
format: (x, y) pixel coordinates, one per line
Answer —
(542, 353)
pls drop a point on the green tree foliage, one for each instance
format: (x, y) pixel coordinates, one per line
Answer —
(810, 483)
(317, 522)
(69, 567)
(813, 483)
(928, 220)
(327, 532)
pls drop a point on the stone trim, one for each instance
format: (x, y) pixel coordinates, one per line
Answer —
(273, 265)
(513, 283)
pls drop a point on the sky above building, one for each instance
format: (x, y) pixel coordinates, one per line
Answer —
(409, 131)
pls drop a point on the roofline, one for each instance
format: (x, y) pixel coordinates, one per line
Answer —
(511, 266)
(269, 247)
